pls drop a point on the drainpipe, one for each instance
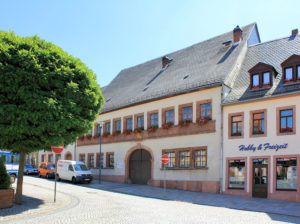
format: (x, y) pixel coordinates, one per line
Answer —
(221, 146)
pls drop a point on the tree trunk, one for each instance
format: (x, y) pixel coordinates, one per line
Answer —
(20, 178)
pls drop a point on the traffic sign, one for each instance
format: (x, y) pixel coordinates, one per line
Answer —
(58, 149)
(165, 159)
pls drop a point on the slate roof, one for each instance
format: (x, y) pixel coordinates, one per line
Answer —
(272, 53)
(208, 63)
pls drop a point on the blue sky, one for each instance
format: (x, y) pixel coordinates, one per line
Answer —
(109, 36)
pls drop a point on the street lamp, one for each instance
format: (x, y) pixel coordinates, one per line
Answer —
(99, 130)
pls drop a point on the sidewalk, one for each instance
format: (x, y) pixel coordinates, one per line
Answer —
(36, 200)
(227, 201)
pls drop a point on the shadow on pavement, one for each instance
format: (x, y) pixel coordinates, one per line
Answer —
(28, 203)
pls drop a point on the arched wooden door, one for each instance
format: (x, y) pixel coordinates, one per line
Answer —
(68, 156)
(140, 167)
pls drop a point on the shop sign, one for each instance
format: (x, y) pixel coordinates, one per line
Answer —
(263, 147)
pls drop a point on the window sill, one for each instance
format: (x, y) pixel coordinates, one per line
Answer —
(232, 188)
(187, 168)
(260, 89)
(286, 189)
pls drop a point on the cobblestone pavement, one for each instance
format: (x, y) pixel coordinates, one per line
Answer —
(88, 204)
(227, 201)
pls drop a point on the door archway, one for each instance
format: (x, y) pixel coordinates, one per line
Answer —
(68, 156)
(140, 166)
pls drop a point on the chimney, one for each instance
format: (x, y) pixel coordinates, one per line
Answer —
(294, 32)
(165, 61)
(237, 35)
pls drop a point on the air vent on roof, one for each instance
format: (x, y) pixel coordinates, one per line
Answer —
(186, 76)
(226, 43)
(145, 88)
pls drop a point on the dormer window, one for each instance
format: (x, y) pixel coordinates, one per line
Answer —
(261, 76)
(291, 69)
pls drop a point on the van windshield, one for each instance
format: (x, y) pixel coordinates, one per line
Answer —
(29, 166)
(50, 166)
(80, 167)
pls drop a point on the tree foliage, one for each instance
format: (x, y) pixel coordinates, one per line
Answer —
(4, 178)
(47, 97)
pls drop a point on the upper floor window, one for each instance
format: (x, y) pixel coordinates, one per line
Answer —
(286, 121)
(129, 123)
(118, 125)
(258, 123)
(205, 110)
(169, 118)
(140, 121)
(236, 125)
(291, 69)
(261, 76)
(154, 119)
(187, 113)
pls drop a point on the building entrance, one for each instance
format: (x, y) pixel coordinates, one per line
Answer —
(140, 167)
(260, 178)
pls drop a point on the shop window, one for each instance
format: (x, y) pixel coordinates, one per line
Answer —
(169, 117)
(184, 159)
(258, 123)
(286, 121)
(140, 121)
(200, 158)
(172, 162)
(187, 114)
(129, 124)
(82, 157)
(236, 174)
(110, 159)
(154, 119)
(91, 160)
(286, 174)
(236, 125)
(118, 125)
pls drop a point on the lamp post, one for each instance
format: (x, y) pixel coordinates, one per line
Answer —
(99, 130)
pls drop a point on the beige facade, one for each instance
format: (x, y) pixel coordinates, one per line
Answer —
(288, 141)
(205, 179)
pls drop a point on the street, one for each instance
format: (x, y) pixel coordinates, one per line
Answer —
(83, 203)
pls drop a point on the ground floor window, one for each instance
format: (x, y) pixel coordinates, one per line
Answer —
(286, 172)
(110, 159)
(91, 160)
(200, 158)
(82, 158)
(172, 156)
(184, 159)
(236, 174)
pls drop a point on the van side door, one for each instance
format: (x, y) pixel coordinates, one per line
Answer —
(70, 172)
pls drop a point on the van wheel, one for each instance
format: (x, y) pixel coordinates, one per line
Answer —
(12, 178)
(73, 180)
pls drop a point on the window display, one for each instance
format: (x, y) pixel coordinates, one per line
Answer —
(286, 169)
(236, 174)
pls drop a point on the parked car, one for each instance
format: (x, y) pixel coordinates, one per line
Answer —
(30, 169)
(75, 171)
(47, 170)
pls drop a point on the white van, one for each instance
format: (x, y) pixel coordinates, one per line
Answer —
(74, 171)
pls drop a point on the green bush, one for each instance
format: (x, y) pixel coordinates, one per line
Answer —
(4, 178)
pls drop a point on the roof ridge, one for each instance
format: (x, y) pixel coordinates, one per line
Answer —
(269, 41)
(243, 27)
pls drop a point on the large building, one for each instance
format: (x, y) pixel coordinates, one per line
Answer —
(169, 105)
(261, 117)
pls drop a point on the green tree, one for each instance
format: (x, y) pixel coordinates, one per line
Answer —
(47, 97)
(4, 178)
